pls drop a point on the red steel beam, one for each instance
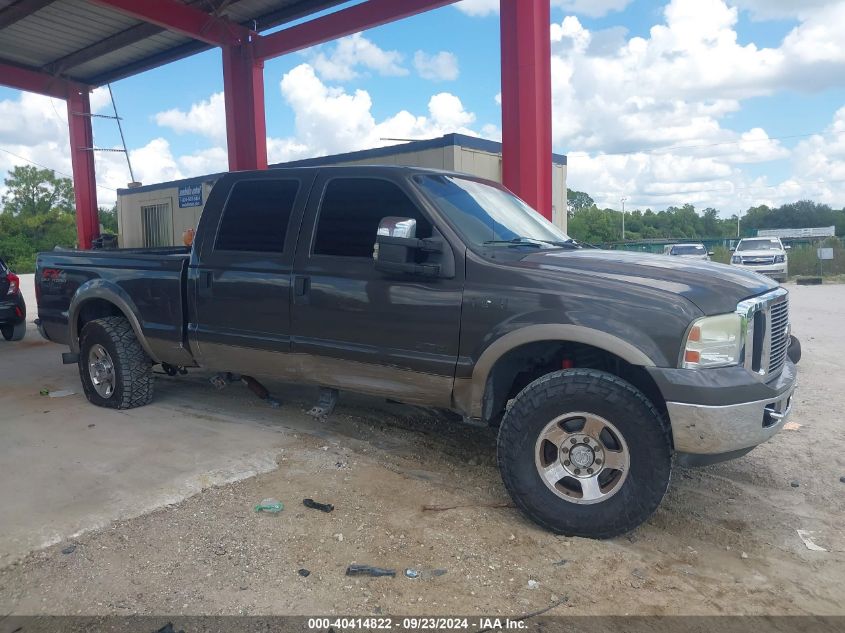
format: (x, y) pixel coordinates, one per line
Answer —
(344, 22)
(81, 139)
(246, 127)
(527, 102)
(175, 16)
(32, 80)
(82, 160)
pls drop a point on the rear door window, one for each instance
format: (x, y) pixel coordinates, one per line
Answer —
(257, 216)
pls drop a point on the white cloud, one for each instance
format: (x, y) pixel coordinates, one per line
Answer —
(329, 119)
(590, 8)
(351, 53)
(820, 159)
(624, 103)
(478, 7)
(780, 9)
(442, 66)
(207, 118)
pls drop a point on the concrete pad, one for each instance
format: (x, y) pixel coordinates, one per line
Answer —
(68, 466)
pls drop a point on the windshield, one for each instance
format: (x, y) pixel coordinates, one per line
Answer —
(689, 249)
(485, 214)
(768, 244)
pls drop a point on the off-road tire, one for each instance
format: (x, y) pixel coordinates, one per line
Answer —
(133, 369)
(644, 429)
(14, 332)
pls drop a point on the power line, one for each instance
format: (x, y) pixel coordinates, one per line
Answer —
(55, 171)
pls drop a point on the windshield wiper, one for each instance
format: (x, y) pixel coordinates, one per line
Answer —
(517, 241)
(534, 241)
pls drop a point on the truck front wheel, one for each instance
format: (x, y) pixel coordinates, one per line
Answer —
(116, 372)
(584, 453)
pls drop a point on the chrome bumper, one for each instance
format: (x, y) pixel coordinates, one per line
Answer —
(702, 429)
(772, 270)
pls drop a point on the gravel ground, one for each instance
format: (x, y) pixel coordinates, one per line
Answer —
(724, 540)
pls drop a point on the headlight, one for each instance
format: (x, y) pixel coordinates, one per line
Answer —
(714, 341)
(779, 259)
(736, 259)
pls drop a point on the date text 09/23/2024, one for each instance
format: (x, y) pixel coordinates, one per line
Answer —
(416, 624)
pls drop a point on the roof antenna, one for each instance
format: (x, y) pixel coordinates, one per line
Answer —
(122, 139)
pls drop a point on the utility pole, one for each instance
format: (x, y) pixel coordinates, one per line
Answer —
(623, 199)
(738, 214)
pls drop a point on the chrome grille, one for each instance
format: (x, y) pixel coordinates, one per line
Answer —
(766, 331)
(759, 259)
(778, 338)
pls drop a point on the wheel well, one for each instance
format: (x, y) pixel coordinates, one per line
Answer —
(524, 364)
(95, 309)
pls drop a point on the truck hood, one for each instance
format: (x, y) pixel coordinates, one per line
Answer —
(714, 288)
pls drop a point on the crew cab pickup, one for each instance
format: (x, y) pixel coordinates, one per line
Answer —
(598, 367)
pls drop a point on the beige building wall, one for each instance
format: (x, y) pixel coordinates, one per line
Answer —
(454, 158)
(130, 214)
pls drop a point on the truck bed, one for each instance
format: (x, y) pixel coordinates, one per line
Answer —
(150, 280)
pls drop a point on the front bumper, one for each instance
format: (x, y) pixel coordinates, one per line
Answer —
(779, 271)
(725, 411)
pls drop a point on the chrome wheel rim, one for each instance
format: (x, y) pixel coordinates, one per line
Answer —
(582, 458)
(101, 370)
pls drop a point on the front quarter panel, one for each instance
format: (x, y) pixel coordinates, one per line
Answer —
(507, 305)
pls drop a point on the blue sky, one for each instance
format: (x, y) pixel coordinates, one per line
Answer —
(723, 103)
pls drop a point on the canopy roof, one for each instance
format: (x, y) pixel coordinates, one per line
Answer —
(90, 43)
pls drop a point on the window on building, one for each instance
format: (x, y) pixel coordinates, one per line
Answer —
(256, 216)
(351, 211)
(157, 222)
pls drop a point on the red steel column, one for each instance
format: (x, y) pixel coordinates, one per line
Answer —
(82, 159)
(246, 127)
(527, 102)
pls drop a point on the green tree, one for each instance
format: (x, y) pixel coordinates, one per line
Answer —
(32, 191)
(38, 215)
(577, 201)
(108, 219)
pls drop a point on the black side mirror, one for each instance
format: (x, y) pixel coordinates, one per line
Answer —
(396, 248)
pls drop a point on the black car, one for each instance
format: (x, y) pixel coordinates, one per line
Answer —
(12, 306)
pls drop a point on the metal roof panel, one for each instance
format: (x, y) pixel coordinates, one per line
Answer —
(65, 27)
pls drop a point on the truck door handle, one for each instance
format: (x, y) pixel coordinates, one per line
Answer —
(206, 280)
(301, 286)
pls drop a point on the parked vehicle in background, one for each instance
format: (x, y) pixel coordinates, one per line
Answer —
(688, 251)
(12, 305)
(765, 255)
(600, 368)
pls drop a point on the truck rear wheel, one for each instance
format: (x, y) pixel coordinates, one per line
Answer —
(116, 372)
(584, 453)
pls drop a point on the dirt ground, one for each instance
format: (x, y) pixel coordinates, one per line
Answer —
(724, 540)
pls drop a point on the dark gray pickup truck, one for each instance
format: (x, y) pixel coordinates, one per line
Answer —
(598, 367)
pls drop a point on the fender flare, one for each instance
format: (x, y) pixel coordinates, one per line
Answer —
(546, 332)
(112, 293)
